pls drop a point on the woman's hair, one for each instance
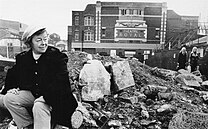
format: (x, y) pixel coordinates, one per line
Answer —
(183, 48)
(194, 48)
(29, 40)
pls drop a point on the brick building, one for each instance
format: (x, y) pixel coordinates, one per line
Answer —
(121, 28)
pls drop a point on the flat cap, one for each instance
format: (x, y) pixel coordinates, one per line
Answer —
(30, 30)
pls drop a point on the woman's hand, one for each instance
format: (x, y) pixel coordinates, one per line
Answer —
(14, 91)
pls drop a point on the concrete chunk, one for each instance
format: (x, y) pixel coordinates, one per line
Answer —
(96, 81)
(122, 75)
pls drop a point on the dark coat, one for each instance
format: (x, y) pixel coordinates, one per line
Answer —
(194, 59)
(182, 60)
(47, 77)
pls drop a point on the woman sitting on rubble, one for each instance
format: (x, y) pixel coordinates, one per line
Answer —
(193, 60)
(182, 59)
(39, 81)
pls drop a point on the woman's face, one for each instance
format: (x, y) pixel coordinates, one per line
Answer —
(40, 43)
(194, 49)
(183, 50)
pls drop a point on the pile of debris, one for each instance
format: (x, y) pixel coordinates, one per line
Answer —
(144, 97)
(121, 93)
(2, 78)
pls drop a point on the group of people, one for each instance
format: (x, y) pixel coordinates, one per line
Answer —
(37, 90)
(185, 61)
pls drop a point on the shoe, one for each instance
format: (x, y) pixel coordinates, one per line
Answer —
(12, 125)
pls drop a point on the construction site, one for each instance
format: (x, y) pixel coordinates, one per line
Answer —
(122, 64)
(117, 93)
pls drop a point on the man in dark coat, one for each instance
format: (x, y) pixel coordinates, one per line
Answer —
(39, 81)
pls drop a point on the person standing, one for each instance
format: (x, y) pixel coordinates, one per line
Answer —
(40, 82)
(193, 60)
(182, 59)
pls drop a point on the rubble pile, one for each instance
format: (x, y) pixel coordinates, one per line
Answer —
(2, 78)
(152, 103)
(136, 97)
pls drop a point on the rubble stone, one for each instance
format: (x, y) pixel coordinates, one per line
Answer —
(166, 96)
(165, 107)
(187, 79)
(122, 75)
(96, 80)
(205, 83)
(115, 123)
(189, 120)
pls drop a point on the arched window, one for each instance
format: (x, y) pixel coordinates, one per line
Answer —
(88, 20)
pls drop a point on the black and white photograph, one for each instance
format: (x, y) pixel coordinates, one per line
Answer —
(111, 64)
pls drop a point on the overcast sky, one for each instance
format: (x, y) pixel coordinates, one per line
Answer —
(56, 14)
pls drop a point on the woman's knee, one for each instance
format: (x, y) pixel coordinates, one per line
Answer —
(9, 99)
(39, 107)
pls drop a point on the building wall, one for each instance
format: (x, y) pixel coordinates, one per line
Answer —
(108, 22)
(141, 24)
(180, 29)
(77, 28)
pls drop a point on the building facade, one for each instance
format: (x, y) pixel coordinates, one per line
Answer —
(121, 28)
(10, 37)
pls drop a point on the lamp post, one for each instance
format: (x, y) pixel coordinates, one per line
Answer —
(82, 42)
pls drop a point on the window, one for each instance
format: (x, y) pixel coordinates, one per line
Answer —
(103, 31)
(140, 12)
(88, 21)
(131, 11)
(9, 44)
(89, 36)
(123, 12)
(137, 12)
(76, 36)
(129, 53)
(76, 20)
(157, 33)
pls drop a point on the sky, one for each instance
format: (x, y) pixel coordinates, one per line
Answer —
(57, 14)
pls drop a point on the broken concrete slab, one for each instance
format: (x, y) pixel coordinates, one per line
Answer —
(187, 79)
(122, 75)
(95, 79)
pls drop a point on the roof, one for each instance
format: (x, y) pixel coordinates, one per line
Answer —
(5, 33)
(202, 40)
